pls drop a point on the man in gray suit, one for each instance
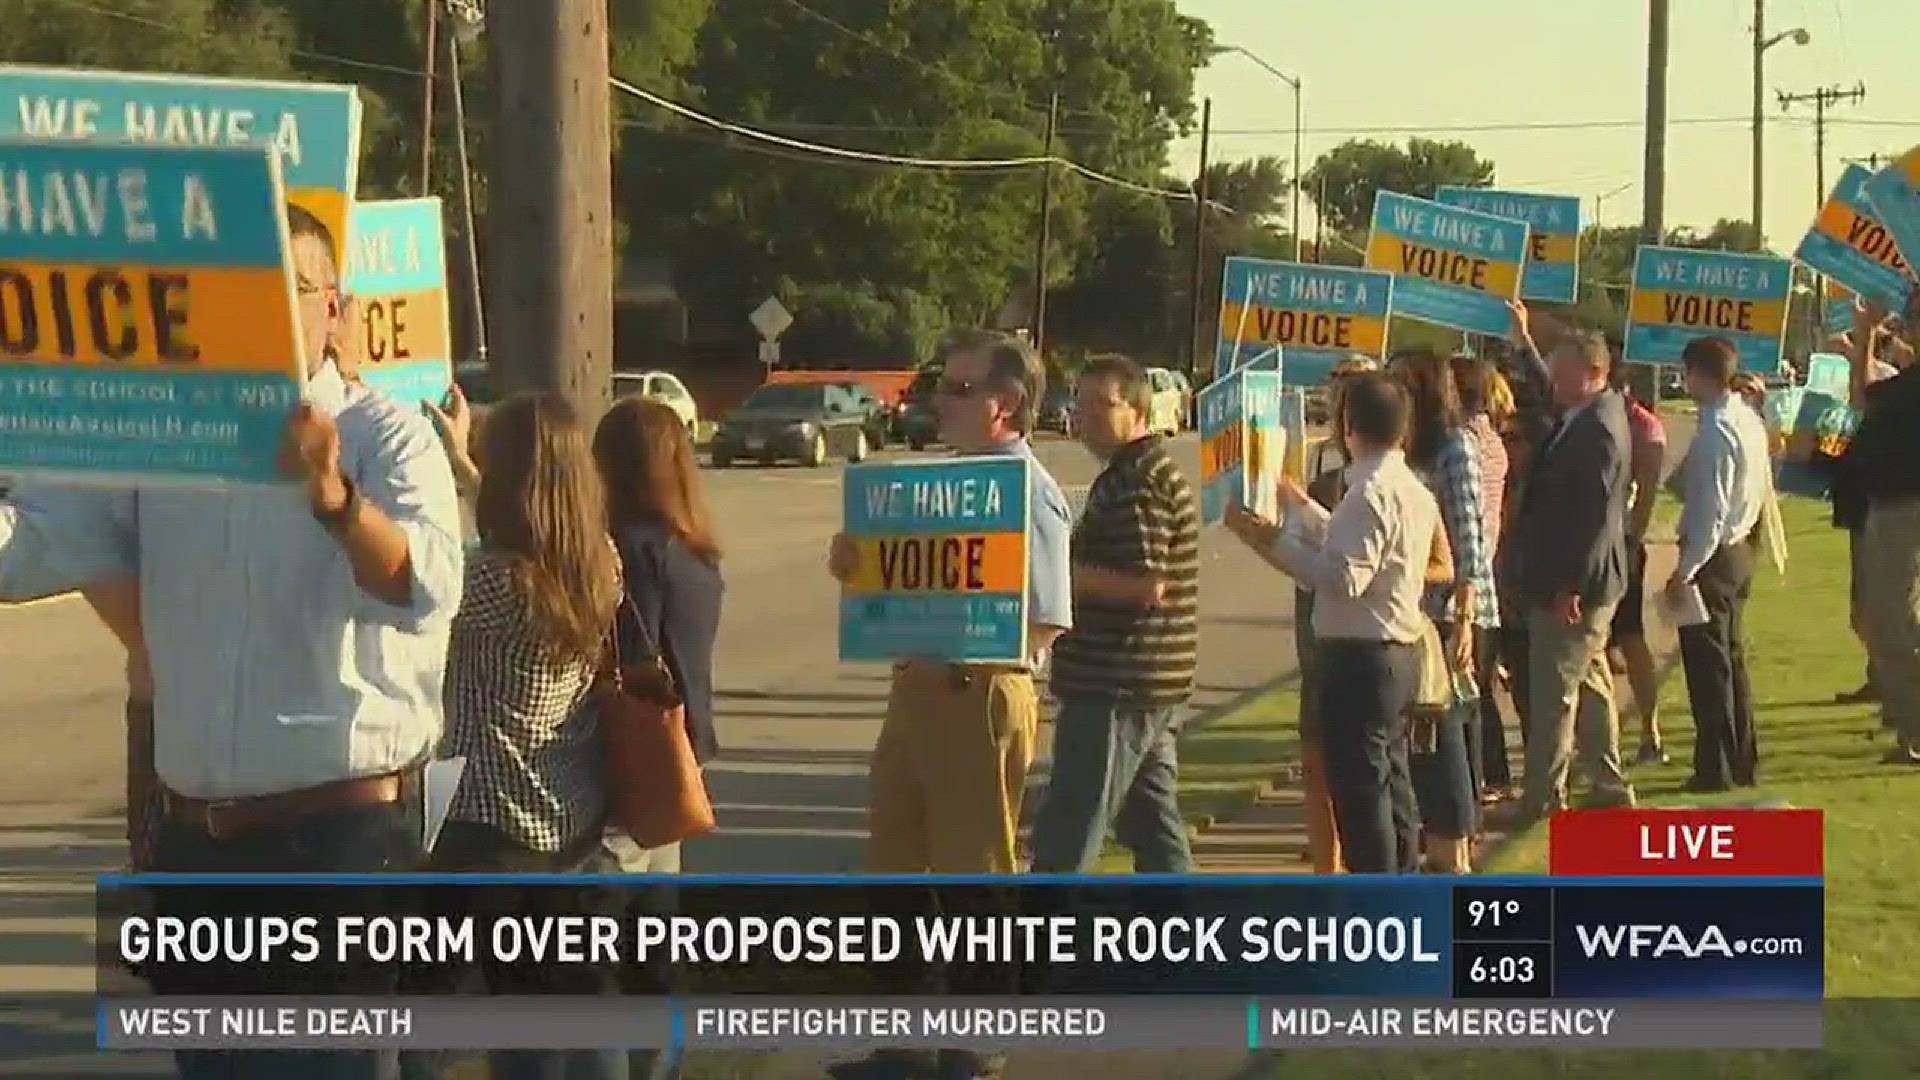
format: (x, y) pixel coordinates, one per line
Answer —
(1570, 540)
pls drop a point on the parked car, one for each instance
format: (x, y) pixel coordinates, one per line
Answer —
(879, 414)
(1056, 409)
(793, 422)
(919, 423)
(1168, 412)
(1186, 398)
(664, 388)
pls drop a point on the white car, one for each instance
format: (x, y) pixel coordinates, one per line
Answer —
(1168, 413)
(659, 386)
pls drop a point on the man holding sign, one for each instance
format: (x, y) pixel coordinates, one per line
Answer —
(297, 631)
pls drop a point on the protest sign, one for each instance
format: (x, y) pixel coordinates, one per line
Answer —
(1452, 267)
(1266, 443)
(1680, 294)
(1553, 238)
(1851, 246)
(1243, 443)
(146, 312)
(1293, 421)
(1314, 316)
(941, 572)
(397, 269)
(314, 126)
(1221, 408)
(1839, 309)
(1893, 193)
(1830, 374)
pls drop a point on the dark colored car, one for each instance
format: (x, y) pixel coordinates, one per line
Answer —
(919, 422)
(879, 414)
(1056, 410)
(808, 423)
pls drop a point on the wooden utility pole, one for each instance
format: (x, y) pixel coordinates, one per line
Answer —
(1196, 310)
(426, 94)
(1044, 240)
(550, 237)
(1653, 184)
(1821, 98)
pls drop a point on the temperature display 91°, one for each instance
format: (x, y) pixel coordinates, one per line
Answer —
(1494, 913)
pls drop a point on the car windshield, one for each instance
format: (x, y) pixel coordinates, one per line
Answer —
(785, 396)
(860, 394)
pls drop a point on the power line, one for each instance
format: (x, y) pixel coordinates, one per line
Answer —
(945, 164)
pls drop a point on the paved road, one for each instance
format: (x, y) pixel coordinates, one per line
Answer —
(795, 723)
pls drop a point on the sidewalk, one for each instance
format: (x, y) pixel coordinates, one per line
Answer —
(1270, 836)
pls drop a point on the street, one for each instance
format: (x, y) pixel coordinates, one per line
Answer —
(795, 724)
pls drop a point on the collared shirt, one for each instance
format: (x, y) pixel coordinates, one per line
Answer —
(273, 670)
(1456, 483)
(1049, 542)
(1369, 571)
(1141, 518)
(1724, 484)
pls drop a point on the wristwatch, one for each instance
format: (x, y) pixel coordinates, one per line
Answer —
(337, 520)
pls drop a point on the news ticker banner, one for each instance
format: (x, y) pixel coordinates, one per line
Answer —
(147, 313)
(1553, 241)
(1852, 247)
(1643, 903)
(1680, 294)
(1452, 267)
(1007, 1023)
(1894, 195)
(1309, 317)
(397, 269)
(314, 127)
(941, 567)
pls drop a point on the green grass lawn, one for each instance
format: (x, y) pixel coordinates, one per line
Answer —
(1813, 754)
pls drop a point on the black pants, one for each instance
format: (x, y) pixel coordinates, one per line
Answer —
(371, 839)
(1491, 762)
(1366, 689)
(1714, 654)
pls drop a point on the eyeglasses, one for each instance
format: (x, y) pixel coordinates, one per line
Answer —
(957, 388)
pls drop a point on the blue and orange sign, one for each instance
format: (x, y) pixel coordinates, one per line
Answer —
(1553, 239)
(941, 572)
(1850, 245)
(1893, 194)
(315, 127)
(1452, 267)
(147, 320)
(1680, 294)
(1305, 316)
(397, 269)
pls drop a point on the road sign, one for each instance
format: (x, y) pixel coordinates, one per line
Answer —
(769, 351)
(771, 318)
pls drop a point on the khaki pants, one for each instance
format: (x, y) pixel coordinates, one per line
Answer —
(1571, 688)
(949, 771)
(1890, 607)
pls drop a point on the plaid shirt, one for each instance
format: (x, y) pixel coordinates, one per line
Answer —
(513, 711)
(1454, 478)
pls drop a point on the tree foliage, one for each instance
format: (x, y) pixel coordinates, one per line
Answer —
(1345, 180)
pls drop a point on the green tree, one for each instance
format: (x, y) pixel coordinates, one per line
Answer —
(177, 36)
(1345, 180)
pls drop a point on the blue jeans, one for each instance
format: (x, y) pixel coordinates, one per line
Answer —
(1113, 766)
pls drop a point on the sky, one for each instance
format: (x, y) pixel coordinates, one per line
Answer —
(1392, 69)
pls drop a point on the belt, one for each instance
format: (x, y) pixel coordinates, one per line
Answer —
(223, 818)
(963, 676)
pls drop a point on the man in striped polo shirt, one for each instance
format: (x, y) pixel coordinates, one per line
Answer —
(1124, 672)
